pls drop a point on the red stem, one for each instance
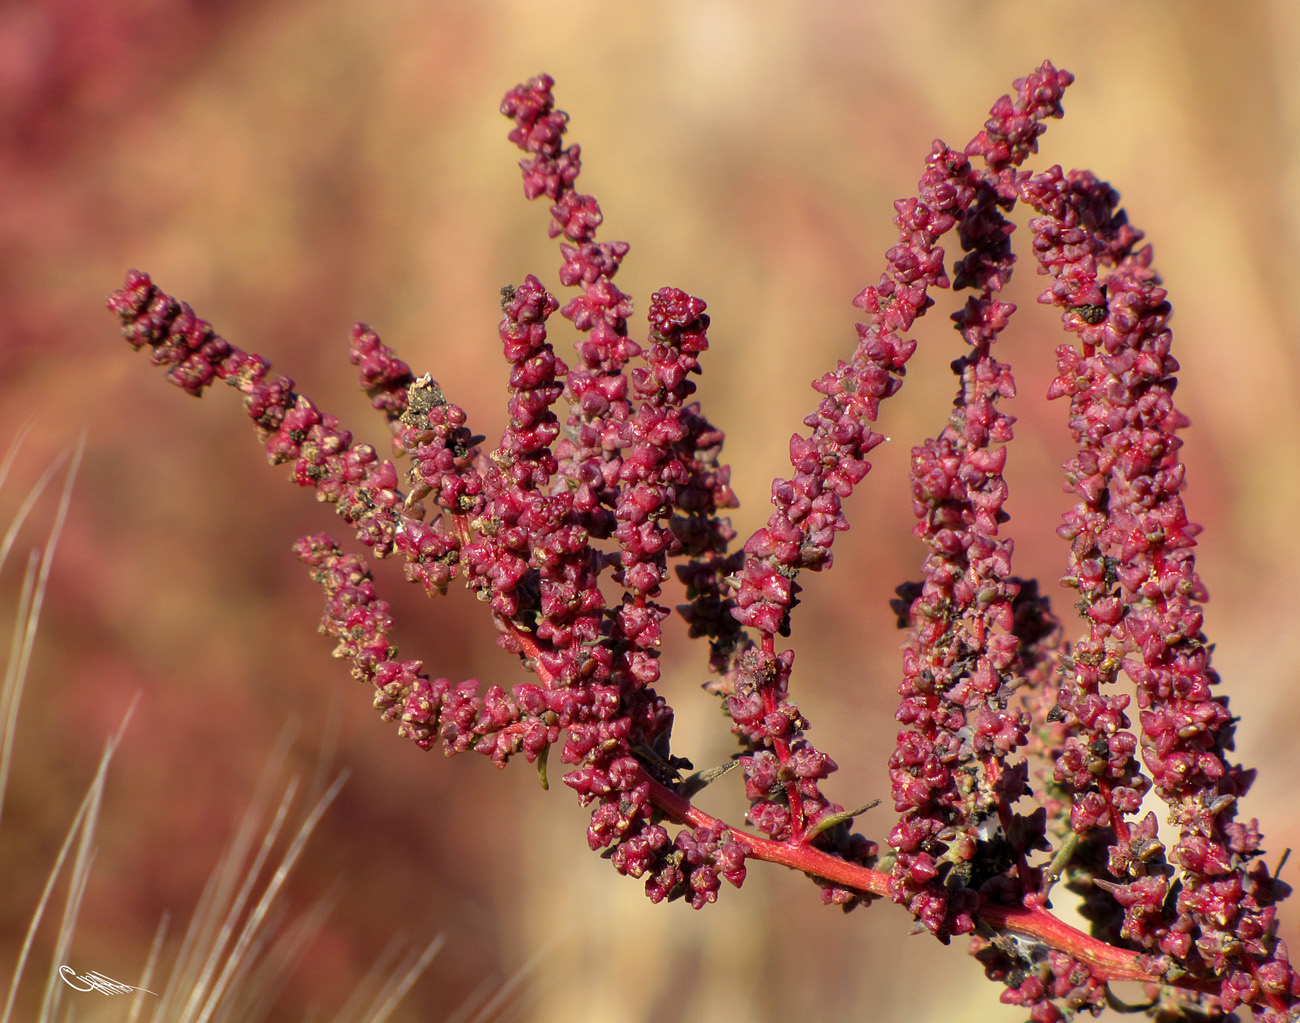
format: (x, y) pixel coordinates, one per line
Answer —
(1114, 963)
(798, 822)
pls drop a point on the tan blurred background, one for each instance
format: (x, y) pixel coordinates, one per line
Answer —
(288, 168)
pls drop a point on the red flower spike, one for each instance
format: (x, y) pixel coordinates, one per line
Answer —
(626, 484)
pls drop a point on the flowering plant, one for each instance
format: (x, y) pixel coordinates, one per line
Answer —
(629, 483)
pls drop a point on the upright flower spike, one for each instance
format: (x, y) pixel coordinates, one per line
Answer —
(696, 488)
(1133, 564)
(832, 460)
(953, 777)
(640, 467)
(956, 692)
(597, 387)
(571, 507)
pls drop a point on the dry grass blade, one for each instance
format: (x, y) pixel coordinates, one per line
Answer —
(235, 959)
(32, 596)
(81, 832)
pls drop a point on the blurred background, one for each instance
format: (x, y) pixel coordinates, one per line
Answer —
(290, 167)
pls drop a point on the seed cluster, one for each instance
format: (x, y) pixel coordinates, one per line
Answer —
(607, 476)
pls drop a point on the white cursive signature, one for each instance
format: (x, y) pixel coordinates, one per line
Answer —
(97, 982)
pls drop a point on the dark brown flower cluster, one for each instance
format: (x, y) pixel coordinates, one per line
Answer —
(608, 473)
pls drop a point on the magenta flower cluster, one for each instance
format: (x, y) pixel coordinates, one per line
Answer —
(608, 472)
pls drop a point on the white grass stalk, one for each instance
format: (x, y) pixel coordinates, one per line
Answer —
(146, 977)
(82, 829)
(31, 599)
